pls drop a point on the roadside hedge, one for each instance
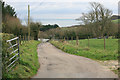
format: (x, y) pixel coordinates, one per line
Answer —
(4, 37)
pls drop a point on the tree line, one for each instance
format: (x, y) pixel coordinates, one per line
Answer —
(11, 23)
(96, 23)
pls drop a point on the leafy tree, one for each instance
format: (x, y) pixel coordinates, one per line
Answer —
(11, 24)
(7, 10)
(34, 29)
(47, 27)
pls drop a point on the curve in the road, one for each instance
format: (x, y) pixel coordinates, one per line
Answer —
(55, 63)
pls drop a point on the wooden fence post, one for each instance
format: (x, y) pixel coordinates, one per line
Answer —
(104, 43)
(20, 39)
(88, 42)
(71, 39)
(76, 40)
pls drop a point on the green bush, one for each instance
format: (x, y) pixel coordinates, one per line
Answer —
(5, 52)
(28, 62)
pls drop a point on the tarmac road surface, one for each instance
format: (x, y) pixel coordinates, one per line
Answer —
(55, 63)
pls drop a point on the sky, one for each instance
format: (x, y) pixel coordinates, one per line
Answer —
(56, 9)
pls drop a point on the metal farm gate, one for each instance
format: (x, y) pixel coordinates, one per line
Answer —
(13, 54)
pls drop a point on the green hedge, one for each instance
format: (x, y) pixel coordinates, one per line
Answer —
(28, 62)
(4, 37)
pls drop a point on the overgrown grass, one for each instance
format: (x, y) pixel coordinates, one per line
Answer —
(94, 51)
(28, 63)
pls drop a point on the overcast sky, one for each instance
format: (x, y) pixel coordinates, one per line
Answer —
(57, 9)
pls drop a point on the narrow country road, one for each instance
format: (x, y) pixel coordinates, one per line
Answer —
(55, 63)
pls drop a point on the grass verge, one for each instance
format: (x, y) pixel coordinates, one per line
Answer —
(28, 63)
(95, 51)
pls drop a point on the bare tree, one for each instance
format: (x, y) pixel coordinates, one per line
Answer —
(99, 17)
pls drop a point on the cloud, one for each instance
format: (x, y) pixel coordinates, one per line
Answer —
(57, 9)
(55, 16)
(111, 1)
(43, 5)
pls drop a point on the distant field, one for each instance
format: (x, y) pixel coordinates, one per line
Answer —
(116, 21)
(95, 51)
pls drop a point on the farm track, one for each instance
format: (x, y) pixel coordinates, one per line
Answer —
(55, 63)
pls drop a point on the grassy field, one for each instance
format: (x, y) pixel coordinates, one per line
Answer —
(28, 63)
(116, 21)
(94, 51)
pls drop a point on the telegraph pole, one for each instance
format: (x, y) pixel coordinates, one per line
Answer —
(28, 22)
